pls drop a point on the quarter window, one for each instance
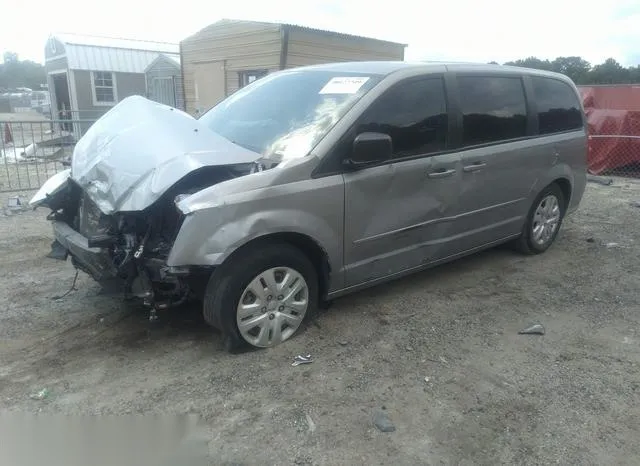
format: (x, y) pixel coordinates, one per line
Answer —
(558, 106)
(414, 114)
(494, 109)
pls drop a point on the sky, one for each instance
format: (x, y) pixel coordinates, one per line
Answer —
(457, 30)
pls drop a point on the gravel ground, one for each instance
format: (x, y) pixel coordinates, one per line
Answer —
(438, 355)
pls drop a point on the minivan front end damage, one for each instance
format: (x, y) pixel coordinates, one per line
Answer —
(115, 214)
(130, 249)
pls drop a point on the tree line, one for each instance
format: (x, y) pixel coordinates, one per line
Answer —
(25, 73)
(20, 73)
(582, 72)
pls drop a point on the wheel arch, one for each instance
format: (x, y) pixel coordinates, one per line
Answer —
(308, 246)
(566, 188)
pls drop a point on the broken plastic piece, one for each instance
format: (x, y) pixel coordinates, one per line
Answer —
(300, 359)
(41, 395)
(536, 329)
(58, 251)
(14, 203)
(600, 180)
(382, 422)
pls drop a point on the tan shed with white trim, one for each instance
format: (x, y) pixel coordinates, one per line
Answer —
(229, 54)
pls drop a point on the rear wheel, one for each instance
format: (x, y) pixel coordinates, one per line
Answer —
(262, 296)
(543, 221)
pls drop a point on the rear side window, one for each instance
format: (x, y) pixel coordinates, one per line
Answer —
(558, 106)
(414, 114)
(494, 109)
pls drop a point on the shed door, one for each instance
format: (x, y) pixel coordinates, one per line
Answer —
(163, 90)
(209, 85)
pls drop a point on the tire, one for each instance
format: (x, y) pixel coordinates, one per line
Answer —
(229, 284)
(529, 243)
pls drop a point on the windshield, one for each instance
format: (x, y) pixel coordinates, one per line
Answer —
(284, 116)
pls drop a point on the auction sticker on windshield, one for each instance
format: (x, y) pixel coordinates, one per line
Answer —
(343, 85)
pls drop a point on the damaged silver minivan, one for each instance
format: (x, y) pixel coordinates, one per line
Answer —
(318, 181)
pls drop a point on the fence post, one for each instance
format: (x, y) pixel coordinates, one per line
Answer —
(8, 136)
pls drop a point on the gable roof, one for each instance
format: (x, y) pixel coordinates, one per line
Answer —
(99, 53)
(174, 60)
(291, 26)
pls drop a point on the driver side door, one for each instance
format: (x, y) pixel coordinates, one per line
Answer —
(400, 213)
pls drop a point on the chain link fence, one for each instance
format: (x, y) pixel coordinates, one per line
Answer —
(613, 116)
(34, 147)
(615, 154)
(32, 150)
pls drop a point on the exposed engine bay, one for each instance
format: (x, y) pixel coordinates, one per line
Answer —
(128, 250)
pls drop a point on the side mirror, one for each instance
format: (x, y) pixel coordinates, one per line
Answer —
(369, 149)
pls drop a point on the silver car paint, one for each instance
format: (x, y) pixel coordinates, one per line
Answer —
(139, 149)
(384, 221)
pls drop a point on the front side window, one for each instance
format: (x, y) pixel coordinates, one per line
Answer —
(285, 115)
(494, 109)
(103, 87)
(414, 114)
(558, 106)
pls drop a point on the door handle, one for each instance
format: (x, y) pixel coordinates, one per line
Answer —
(474, 167)
(441, 173)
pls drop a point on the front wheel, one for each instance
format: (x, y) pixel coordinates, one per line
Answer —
(543, 221)
(262, 296)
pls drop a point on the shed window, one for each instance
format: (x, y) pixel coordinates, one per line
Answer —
(247, 77)
(103, 87)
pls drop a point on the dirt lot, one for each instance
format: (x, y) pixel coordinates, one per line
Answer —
(492, 396)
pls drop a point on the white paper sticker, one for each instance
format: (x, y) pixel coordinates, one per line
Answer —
(346, 85)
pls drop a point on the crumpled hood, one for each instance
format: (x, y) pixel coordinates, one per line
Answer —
(139, 149)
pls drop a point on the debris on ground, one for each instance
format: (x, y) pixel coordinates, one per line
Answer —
(612, 245)
(41, 395)
(343, 343)
(70, 290)
(14, 204)
(591, 240)
(382, 422)
(427, 379)
(536, 329)
(300, 359)
(310, 423)
(600, 180)
(58, 251)
(634, 203)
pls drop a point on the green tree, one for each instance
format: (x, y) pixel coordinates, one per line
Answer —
(15, 73)
(575, 67)
(581, 71)
(532, 62)
(609, 72)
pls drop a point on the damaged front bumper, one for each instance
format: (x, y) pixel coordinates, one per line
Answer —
(95, 261)
(124, 252)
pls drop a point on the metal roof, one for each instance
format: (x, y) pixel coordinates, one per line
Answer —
(290, 26)
(99, 53)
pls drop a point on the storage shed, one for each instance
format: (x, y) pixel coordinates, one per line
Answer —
(229, 54)
(87, 75)
(164, 81)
